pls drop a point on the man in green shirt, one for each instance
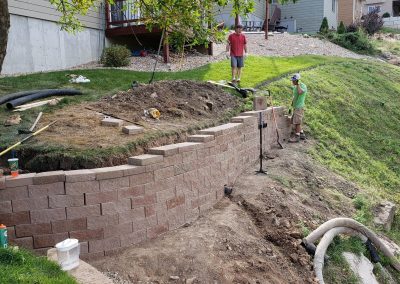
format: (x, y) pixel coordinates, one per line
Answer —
(299, 96)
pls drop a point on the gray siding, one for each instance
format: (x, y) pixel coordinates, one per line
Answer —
(42, 9)
(307, 13)
(223, 14)
(330, 14)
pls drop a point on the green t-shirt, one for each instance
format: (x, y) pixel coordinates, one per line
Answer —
(298, 100)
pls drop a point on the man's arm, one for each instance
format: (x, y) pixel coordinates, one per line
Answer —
(228, 46)
(299, 89)
(245, 48)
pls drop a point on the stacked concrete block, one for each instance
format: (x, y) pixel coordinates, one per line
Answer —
(132, 129)
(112, 122)
(110, 208)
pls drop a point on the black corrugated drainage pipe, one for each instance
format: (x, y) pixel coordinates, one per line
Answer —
(14, 96)
(42, 94)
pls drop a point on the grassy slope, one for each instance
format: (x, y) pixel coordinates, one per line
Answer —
(23, 267)
(108, 81)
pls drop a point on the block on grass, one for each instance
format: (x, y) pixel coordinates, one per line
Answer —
(132, 129)
(259, 103)
(112, 122)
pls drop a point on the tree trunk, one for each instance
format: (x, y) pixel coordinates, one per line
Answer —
(266, 18)
(166, 48)
(236, 20)
(4, 27)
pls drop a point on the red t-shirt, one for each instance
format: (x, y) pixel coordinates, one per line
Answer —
(237, 42)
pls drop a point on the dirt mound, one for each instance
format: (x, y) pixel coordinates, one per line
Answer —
(174, 99)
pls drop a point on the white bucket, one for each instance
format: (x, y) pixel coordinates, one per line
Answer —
(68, 254)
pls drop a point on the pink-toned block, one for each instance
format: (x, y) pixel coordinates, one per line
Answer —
(112, 122)
(83, 211)
(132, 129)
(47, 215)
(79, 175)
(46, 189)
(201, 138)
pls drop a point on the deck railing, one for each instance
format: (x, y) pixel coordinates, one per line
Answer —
(122, 13)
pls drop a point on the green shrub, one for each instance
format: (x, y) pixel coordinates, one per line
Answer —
(116, 56)
(324, 26)
(386, 15)
(357, 41)
(341, 28)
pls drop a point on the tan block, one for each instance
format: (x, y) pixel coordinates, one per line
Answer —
(95, 222)
(118, 230)
(220, 130)
(259, 103)
(2, 182)
(14, 193)
(113, 184)
(79, 175)
(68, 225)
(60, 201)
(131, 215)
(46, 189)
(86, 235)
(141, 179)
(49, 177)
(201, 138)
(164, 173)
(112, 122)
(30, 204)
(132, 129)
(21, 180)
(84, 211)
(189, 146)
(28, 230)
(144, 160)
(105, 244)
(108, 173)
(130, 170)
(111, 208)
(82, 187)
(167, 150)
(47, 215)
(100, 197)
(5, 207)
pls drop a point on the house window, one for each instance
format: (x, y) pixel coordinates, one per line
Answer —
(333, 5)
(373, 8)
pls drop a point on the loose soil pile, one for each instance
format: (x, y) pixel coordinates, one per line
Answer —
(184, 106)
(252, 237)
(174, 99)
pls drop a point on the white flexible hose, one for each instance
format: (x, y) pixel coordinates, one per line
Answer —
(324, 244)
(348, 223)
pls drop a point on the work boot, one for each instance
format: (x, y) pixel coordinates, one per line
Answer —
(302, 136)
(294, 139)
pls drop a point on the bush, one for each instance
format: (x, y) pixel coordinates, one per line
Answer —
(386, 15)
(341, 29)
(116, 56)
(357, 41)
(372, 22)
(324, 26)
(352, 28)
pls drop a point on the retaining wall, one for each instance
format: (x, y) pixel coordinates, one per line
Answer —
(114, 207)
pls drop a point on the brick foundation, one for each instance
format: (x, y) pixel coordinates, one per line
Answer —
(109, 208)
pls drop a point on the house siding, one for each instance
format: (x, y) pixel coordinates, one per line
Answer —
(36, 45)
(386, 6)
(307, 13)
(42, 9)
(224, 14)
(331, 14)
(346, 11)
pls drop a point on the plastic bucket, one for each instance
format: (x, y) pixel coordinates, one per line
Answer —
(68, 254)
(13, 166)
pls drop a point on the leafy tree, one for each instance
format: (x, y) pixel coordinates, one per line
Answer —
(324, 26)
(4, 27)
(341, 29)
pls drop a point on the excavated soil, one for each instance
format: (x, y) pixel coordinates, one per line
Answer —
(252, 236)
(184, 106)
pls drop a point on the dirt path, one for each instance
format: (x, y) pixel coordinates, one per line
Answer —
(252, 237)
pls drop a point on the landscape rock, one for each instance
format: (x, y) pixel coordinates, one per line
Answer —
(361, 267)
(13, 120)
(384, 214)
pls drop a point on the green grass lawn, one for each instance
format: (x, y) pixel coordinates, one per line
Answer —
(22, 267)
(109, 81)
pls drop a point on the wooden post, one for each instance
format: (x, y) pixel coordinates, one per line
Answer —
(166, 48)
(266, 18)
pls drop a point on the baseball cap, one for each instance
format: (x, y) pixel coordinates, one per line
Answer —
(295, 77)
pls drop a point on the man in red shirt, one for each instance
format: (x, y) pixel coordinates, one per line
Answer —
(237, 49)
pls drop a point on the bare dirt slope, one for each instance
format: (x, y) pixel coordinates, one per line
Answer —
(251, 237)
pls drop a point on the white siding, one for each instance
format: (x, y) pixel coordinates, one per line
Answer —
(223, 14)
(331, 14)
(42, 9)
(307, 13)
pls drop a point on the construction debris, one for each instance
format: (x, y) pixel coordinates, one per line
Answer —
(78, 79)
(51, 102)
(152, 112)
(384, 214)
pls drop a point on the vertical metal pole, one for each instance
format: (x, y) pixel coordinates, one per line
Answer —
(261, 126)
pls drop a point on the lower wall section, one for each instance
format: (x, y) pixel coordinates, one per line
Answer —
(110, 208)
(36, 45)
